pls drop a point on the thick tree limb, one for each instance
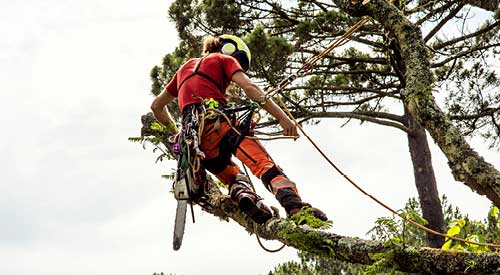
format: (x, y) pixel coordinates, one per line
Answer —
(355, 250)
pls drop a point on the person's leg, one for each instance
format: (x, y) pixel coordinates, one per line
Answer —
(218, 162)
(252, 153)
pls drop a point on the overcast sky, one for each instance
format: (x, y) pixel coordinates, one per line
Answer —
(78, 198)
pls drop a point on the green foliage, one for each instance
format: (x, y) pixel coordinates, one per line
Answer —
(395, 230)
(170, 176)
(221, 16)
(220, 184)
(476, 231)
(305, 216)
(269, 54)
(154, 133)
(294, 268)
(310, 240)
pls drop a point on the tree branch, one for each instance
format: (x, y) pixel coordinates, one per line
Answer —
(485, 112)
(348, 249)
(443, 22)
(464, 53)
(482, 30)
(362, 116)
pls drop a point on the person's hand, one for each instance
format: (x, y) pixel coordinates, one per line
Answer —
(289, 128)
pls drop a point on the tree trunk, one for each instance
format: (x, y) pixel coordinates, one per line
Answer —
(425, 181)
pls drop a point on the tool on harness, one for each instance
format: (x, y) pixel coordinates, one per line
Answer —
(190, 178)
(212, 103)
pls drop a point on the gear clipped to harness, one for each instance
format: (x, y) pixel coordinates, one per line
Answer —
(190, 178)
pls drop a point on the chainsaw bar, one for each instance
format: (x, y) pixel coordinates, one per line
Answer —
(180, 222)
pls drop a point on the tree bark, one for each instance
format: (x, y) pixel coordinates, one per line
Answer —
(465, 163)
(425, 181)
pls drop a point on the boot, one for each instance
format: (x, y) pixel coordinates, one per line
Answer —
(293, 204)
(249, 202)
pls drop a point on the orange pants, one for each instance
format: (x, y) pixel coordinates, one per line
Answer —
(218, 146)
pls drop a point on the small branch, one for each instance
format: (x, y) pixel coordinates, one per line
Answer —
(484, 113)
(354, 90)
(465, 37)
(441, 9)
(489, 5)
(443, 22)
(464, 53)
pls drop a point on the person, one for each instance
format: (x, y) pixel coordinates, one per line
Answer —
(224, 59)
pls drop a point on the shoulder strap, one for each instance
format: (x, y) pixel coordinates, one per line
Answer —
(197, 72)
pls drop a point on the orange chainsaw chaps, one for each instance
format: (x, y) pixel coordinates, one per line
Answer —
(250, 152)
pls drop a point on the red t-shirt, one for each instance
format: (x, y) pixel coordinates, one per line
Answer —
(217, 66)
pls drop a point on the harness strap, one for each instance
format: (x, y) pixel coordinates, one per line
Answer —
(196, 71)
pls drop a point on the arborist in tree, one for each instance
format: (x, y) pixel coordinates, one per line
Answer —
(203, 81)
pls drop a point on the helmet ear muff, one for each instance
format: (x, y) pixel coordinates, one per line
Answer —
(228, 48)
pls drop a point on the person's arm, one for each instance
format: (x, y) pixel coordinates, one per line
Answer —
(256, 94)
(161, 112)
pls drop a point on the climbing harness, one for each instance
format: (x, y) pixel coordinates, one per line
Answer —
(303, 71)
(196, 72)
(190, 181)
